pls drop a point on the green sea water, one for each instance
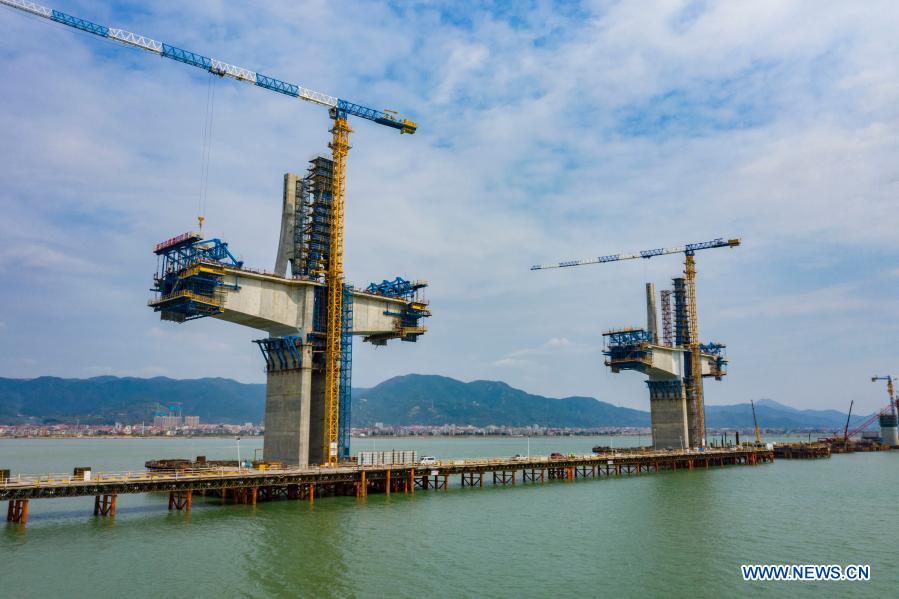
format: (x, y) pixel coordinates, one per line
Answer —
(673, 534)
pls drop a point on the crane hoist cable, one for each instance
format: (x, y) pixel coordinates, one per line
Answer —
(206, 154)
(339, 111)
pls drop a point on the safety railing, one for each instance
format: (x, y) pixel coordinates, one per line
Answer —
(53, 479)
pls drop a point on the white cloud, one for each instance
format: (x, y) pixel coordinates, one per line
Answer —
(558, 342)
(829, 301)
(569, 132)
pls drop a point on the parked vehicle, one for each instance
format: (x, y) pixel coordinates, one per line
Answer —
(556, 456)
(427, 460)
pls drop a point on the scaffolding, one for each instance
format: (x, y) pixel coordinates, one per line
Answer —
(667, 332)
(312, 221)
(681, 323)
(346, 374)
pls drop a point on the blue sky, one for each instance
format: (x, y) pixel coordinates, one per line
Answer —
(547, 132)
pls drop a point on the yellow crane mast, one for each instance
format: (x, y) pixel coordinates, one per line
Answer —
(694, 383)
(340, 146)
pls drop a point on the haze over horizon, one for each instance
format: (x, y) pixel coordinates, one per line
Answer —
(547, 132)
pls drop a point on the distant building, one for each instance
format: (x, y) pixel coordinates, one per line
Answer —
(192, 421)
(167, 422)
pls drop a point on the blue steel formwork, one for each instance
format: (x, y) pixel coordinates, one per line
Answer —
(398, 287)
(317, 338)
(410, 316)
(189, 277)
(718, 368)
(628, 349)
(281, 353)
(346, 374)
(628, 337)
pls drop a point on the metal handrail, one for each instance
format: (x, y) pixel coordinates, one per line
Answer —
(57, 479)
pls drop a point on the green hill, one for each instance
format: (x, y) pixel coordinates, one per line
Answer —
(412, 399)
(107, 399)
(437, 400)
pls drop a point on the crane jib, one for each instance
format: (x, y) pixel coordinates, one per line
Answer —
(83, 25)
(339, 108)
(688, 249)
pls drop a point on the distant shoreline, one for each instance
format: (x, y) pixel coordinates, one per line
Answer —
(355, 438)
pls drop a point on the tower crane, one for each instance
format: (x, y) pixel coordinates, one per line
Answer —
(694, 381)
(339, 111)
(892, 396)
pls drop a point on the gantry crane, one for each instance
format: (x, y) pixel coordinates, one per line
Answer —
(339, 110)
(693, 383)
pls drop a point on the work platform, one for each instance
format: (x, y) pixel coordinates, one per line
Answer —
(249, 486)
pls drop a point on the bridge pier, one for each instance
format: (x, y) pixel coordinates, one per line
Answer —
(532, 475)
(180, 500)
(17, 512)
(503, 477)
(472, 479)
(104, 505)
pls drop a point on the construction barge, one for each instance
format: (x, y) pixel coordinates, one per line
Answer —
(801, 451)
(248, 486)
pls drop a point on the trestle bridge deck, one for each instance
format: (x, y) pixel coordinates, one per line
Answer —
(250, 485)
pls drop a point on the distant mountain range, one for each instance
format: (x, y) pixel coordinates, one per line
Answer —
(436, 400)
(108, 399)
(404, 400)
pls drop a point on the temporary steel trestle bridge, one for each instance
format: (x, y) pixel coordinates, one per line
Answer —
(251, 485)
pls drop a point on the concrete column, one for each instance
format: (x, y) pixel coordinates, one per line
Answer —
(652, 322)
(317, 418)
(288, 224)
(288, 396)
(289, 400)
(669, 413)
(889, 434)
